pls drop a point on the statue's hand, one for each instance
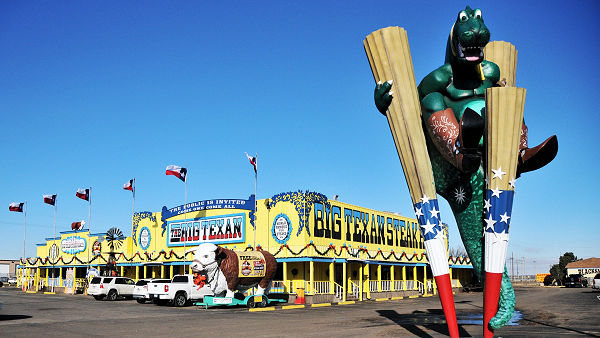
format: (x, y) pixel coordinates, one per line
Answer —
(383, 96)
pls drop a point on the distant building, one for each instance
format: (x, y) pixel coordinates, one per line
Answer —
(585, 267)
(8, 267)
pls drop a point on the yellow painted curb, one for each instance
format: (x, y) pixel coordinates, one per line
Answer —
(396, 298)
(381, 299)
(427, 295)
(31, 291)
(287, 307)
(413, 296)
(321, 305)
(347, 302)
(262, 309)
(49, 293)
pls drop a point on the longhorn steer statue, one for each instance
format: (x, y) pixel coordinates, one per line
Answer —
(227, 271)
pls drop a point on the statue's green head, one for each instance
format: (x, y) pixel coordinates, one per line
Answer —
(467, 38)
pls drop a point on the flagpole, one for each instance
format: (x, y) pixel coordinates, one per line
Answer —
(25, 232)
(133, 215)
(54, 243)
(25, 240)
(185, 224)
(255, 200)
(89, 227)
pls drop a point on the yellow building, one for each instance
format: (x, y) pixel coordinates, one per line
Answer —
(332, 250)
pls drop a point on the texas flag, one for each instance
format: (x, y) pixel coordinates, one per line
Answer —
(128, 185)
(252, 161)
(18, 207)
(177, 171)
(84, 194)
(50, 199)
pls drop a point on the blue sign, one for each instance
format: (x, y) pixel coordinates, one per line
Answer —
(248, 204)
(216, 229)
(73, 244)
(282, 228)
(145, 238)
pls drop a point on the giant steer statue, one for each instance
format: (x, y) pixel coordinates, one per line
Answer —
(227, 271)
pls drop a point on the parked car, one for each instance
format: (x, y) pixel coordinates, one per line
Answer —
(179, 292)
(575, 280)
(12, 281)
(140, 290)
(596, 282)
(111, 288)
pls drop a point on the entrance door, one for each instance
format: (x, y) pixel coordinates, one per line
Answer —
(338, 270)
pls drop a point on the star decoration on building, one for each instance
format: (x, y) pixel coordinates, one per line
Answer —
(487, 205)
(496, 192)
(425, 199)
(459, 195)
(512, 182)
(434, 213)
(490, 223)
(418, 212)
(504, 218)
(427, 228)
(498, 173)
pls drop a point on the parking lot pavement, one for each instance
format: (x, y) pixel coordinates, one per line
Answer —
(545, 312)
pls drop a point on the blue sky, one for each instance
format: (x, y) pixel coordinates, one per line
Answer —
(94, 93)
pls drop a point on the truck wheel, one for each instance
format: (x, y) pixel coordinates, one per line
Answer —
(263, 303)
(250, 304)
(141, 300)
(112, 295)
(180, 299)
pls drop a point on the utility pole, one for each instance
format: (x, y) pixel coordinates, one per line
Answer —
(512, 264)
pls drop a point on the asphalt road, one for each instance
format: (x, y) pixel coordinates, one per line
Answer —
(544, 312)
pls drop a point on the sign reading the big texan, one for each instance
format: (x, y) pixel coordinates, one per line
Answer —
(217, 229)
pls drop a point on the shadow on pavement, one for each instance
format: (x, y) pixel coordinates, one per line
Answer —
(433, 320)
(559, 327)
(13, 317)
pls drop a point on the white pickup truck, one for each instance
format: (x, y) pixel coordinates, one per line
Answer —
(179, 291)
